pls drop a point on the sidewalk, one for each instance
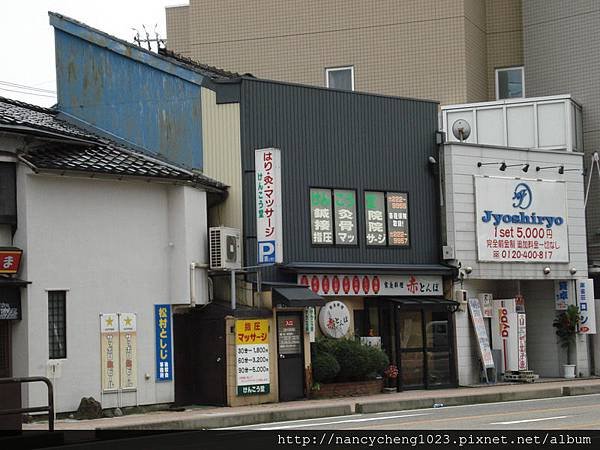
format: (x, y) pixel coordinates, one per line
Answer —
(217, 417)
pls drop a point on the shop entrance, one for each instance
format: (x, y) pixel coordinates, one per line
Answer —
(290, 346)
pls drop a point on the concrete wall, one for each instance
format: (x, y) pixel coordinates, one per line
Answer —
(107, 244)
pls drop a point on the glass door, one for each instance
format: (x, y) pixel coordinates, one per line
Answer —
(410, 337)
(438, 350)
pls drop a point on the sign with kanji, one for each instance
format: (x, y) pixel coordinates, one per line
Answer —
(164, 356)
(387, 285)
(485, 351)
(485, 300)
(334, 319)
(397, 218)
(252, 356)
(587, 306)
(109, 348)
(562, 296)
(521, 220)
(344, 207)
(269, 225)
(128, 350)
(10, 260)
(522, 341)
(375, 218)
(321, 217)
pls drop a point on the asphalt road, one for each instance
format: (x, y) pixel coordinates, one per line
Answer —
(560, 413)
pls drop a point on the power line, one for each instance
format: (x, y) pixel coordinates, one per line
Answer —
(27, 93)
(24, 86)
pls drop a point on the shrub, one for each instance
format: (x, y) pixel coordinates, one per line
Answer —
(325, 367)
(378, 360)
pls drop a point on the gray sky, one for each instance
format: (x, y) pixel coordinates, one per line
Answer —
(27, 39)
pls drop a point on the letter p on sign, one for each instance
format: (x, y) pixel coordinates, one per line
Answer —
(266, 252)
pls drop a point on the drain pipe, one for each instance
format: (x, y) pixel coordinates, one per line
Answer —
(233, 299)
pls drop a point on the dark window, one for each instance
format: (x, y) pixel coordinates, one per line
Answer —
(8, 196)
(57, 324)
(340, 78)
(509, 83)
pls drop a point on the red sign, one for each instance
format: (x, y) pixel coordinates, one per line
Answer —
(314, 284)
(325, 284)
(365, 284)
(335, 284)
(346, 285)
(10, 260)
(356, 284)
(304, 280)
(375, 284)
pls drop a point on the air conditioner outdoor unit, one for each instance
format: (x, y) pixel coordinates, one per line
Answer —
(224, 245)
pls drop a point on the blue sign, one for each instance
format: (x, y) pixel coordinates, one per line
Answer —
(522, 196)
(266, 252)
(164, 358)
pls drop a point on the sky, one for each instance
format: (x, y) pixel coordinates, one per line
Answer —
(27, 39)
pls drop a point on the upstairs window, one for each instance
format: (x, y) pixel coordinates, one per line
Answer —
(510, 83)
(340, 78)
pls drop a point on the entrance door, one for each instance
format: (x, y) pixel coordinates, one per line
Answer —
(10, 394)
(290, 344)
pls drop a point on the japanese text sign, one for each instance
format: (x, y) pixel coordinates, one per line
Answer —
(521, 220)
(269, 225)
(375, 218)
(587, 306)
(340, 284)
(164, 357)
(344, 206)
(485, 352)
(109, 348)
(128, 350)
(10, 260)
(252, 356)
(562, 298)
(397, 218)
(321, 218)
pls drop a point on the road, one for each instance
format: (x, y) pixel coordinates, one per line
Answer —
(560, 413)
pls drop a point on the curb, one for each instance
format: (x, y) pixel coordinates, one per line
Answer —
(239, 419)
(399, 405)
(581, 390)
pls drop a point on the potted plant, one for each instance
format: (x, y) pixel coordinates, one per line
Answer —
(566, 329)
(391, 376)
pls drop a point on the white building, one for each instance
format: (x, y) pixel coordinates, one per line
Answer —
(515, 221)
(103, 230)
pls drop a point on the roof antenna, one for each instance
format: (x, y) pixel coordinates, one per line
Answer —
(136, 38)
(148, 40)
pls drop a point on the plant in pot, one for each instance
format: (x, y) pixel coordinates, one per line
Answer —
(566, 329)
(391, 377)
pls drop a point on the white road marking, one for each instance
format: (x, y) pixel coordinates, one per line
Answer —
(528, 420)
(366, 419)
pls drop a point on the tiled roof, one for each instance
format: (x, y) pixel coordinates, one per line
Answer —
(99, 155)
(211, 71)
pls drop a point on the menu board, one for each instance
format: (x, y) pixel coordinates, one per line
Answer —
(397, 218)
(289, 331)
(344, 208)
(321, 220)
(375, 218)
(252, 357)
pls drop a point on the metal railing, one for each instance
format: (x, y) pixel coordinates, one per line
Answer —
(49, 408)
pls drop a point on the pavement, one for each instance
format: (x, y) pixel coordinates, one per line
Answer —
(223, 417)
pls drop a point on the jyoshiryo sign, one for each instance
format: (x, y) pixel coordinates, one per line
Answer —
(252, 357)
(521, 220)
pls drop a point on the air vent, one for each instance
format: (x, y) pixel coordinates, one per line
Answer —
(224, 248)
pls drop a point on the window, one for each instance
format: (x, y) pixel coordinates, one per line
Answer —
(333, 220)
(510, 83)
(340, 78)
(57, 324)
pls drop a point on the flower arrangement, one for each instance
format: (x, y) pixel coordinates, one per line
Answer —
(391, 372)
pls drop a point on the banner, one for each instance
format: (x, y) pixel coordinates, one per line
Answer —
(128, 350)
(522, 339)
(252, 357)
(389, 285)
(504, 333)
(587, 306)
(109, 351)
(269, 226)
(485, 352)
(164, 357)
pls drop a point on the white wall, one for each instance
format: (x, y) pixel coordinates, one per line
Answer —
(106, 243)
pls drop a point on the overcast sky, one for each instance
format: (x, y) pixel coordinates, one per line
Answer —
(27, 39)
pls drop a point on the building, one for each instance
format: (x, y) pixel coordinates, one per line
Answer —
(105, 236)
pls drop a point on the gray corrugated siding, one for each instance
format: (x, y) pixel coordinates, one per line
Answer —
(341, 140)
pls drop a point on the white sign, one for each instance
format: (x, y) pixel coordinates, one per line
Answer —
(269, 228)
(521, 220)
(504, 333)
(485, 352)
(522, 339)
(371, 341)
(562, 298)
(586, 304)
(405, 285)
(334, 319)
(486, 304)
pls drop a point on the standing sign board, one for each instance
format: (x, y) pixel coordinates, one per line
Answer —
(485, 352)
(522, 337)
(521, 220)
(504, 333)
(252, 357)
(486, 305)
(164, 357)
(109, 348)
(269, 225)
(587, 306)
(128, 350)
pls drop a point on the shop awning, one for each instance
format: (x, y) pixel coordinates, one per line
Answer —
(10, 281)
(295, 297)
(420, 302)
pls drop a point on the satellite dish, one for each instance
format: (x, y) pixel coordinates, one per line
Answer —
(461, 130)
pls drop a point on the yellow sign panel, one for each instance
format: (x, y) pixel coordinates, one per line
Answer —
(128, 350)
(251, 332)
(109, 345)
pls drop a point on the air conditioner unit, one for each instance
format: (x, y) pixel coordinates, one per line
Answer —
(224, 245)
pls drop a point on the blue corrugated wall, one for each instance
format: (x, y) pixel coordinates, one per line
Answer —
(152, 109)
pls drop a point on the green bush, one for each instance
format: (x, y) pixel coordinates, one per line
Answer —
(378, 360)
(325, 367)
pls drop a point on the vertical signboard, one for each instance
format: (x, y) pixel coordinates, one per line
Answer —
(504, 332)
(397, 218)
(128, 350)
(375, 218)
(269, 229)
(252, 357)
(485, 352)
(587, 306)
(109, 351)
(321, 217)
(486, 304)
(522, 341)
(561, 295)
(164, 358)
(344, 208)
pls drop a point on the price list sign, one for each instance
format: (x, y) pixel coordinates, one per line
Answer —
(321, 218)
(375, 218)
(344, 207)
(397, 218)
(252, 357)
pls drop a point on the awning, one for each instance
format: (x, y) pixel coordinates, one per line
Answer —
(295, 297)
(12, 282)
(425, 302)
